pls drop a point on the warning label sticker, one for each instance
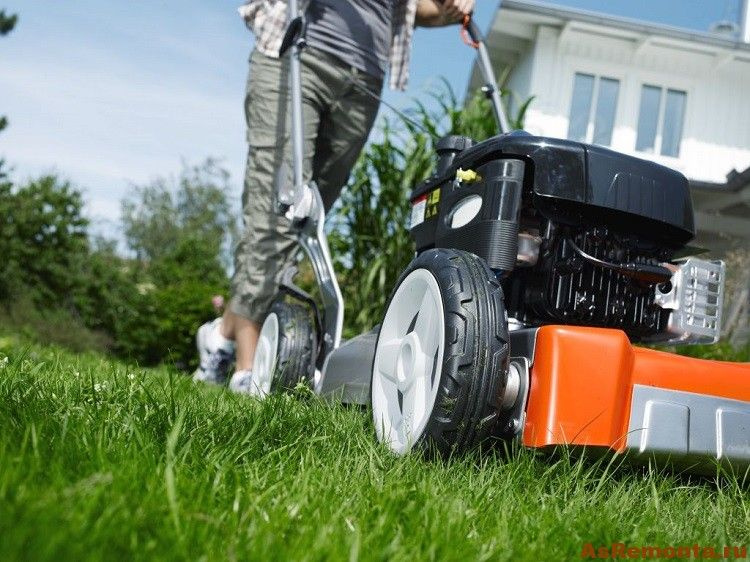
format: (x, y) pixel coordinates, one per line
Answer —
(417, 211)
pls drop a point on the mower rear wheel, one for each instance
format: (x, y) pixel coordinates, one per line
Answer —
(441, 359)
(284, 356)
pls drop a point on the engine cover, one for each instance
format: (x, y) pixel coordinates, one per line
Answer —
(573, 184)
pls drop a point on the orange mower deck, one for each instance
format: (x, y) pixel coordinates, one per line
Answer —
(590, 387)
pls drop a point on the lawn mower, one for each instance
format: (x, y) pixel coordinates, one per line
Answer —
(538, 261)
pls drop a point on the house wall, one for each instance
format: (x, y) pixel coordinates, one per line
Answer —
(716, 131)
(519, 81)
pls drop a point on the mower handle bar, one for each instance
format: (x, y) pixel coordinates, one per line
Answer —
(490, 87)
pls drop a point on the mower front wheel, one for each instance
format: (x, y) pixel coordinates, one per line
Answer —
(441, 359)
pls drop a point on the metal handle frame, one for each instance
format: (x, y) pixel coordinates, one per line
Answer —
(303, 205)
(490, 87)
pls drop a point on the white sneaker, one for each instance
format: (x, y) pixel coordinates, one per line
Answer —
(216, 354)
(201, 339)
(243, 382)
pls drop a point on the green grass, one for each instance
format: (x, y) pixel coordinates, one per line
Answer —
(103, 461)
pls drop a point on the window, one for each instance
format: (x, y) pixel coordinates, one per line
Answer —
(580, 107)
(674, 116)
(660, 121)
(648, 118)
(593, 109)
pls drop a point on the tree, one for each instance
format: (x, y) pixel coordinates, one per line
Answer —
(43, 240)
(180, 232)
(182, 229)
(7, 23)
(146, 309)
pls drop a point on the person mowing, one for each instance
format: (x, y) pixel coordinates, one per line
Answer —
(350, 42)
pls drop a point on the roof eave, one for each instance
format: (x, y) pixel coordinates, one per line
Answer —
(628, 24)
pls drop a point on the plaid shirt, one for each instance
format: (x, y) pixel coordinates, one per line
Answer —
(267, 19)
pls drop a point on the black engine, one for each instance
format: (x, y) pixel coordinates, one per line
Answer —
(565, 288)
(578, 234)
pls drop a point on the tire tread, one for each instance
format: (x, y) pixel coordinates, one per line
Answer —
(294, 361)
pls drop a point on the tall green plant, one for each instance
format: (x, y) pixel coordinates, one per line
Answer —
(370, 238)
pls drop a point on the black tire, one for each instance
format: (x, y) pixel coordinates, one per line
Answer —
(476, 354)
(295, 360)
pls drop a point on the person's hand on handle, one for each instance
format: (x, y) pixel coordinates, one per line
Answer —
(434, 13)
(456, 10)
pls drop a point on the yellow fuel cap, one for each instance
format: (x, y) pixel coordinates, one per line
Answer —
(467, 176)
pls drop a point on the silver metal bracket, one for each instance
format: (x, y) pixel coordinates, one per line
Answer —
(308, 216)
(695, 298)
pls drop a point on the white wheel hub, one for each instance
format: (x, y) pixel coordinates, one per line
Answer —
(266, 353)
(408, 361)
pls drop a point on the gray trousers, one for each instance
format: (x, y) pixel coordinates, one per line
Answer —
(338, 118)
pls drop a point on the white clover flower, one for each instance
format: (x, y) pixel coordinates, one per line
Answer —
(4, 362)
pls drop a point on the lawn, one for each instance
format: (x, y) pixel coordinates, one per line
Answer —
(99, 460)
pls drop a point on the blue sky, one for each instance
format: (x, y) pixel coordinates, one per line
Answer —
(112, 93)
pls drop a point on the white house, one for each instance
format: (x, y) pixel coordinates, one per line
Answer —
(679, 97)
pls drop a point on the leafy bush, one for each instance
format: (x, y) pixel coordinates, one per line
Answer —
(50, 325)
(57, 286)
(180, 232)
(109, 293)
(162, 325)
(43, 240)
